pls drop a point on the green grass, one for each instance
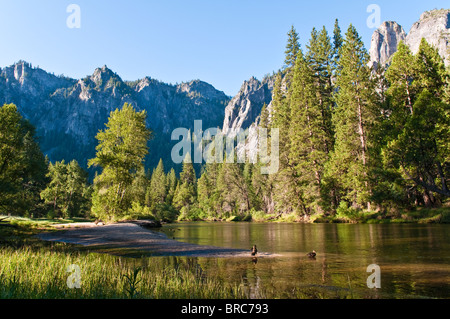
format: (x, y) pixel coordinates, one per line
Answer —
(40, 222)
(33, 269)
(28, 273)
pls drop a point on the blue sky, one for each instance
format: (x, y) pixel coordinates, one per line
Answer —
(222, 42)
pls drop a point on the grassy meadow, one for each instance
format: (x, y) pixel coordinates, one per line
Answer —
(33, 269)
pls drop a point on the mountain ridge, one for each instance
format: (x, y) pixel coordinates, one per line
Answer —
(433, 25)
(68, 113)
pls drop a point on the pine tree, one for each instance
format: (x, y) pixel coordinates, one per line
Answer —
(356, 113)
(430, 68)
(157, 190)
(447, 87)
(337, 43)
(55, 192)
(281, 119)
(234, 182)
(320, 58)
(78, 191)
(292, 48)
(421, 150)
(139, 187)
(172, 183)
(417, 139)
(185, 193)
(308, 152)
(262, 184)
(400, 75)
(68, 192)
(264, 119)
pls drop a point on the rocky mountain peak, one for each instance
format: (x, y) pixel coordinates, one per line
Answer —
(197, 88)
(245, 107)
(434, 26)
(385, 41)
(103, 75)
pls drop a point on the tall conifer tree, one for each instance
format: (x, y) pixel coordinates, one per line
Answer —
(353, 118)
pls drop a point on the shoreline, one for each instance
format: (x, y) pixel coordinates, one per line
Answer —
(418, 216)
(131, 239)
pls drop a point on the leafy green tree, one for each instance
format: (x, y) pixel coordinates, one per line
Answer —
(120, 153)
(22, 164)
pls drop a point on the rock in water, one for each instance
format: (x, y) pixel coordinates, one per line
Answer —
(254, 250)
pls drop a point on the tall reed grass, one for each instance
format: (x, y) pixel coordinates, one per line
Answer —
(28, 273)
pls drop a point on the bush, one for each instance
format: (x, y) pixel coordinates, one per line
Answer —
(347, 214)
(138, 211)
(258, 215)
(51, 214)
(166, 213)
(192, 214)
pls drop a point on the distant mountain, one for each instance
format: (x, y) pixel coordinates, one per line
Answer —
(385, 41)
(245, 107)
(68, 113)
(433, 25)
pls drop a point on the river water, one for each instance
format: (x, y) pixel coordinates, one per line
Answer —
(413, 260)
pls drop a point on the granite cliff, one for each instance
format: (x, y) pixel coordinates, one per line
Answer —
(433, 25)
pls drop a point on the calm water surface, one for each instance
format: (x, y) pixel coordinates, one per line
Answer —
(414, 259)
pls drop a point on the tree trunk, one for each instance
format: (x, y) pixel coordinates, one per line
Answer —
(409, 96)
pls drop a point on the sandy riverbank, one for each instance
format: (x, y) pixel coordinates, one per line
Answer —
(130, 238)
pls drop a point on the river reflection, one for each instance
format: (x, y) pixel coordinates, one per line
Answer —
(414, 259)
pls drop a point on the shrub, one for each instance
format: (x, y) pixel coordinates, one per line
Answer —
(137, 211)
(347, 214)
(166, 213)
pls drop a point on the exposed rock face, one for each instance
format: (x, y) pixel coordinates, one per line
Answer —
(245, 107)
(434, 26)
(68, 113)
(385, 41)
